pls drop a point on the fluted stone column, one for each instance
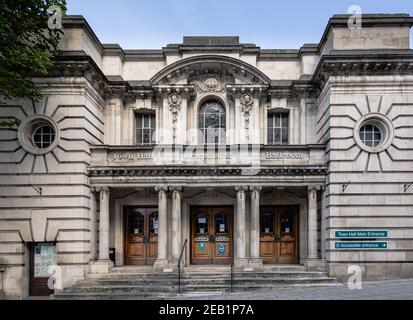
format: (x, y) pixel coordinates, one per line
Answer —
(93, 225)
(162, 260)
(240, 260)
(104, 224)
(312, 257)
(255, 260)
(176, 221)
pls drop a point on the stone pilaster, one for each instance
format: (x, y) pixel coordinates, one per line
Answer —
(240, 260)
(176, 221)
(162, 261)
(255, 261)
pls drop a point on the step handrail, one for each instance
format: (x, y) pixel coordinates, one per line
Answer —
(232, 277)
(179, 265)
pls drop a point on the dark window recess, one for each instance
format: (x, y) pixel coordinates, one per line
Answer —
(145, 128)
(212, 123)
(221, 223)
(201, 223)
(277, 128)
(267, 222)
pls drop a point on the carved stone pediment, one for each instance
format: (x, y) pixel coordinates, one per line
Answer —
(209, 82)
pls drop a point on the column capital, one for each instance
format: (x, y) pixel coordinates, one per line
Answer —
(255, 190)
(179, 189)
(318, 187)
(101, 189)
(241, 189)
(160, 188)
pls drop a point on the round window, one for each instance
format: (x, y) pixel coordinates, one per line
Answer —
(43, 136)
(370, 135)
(39, 134)
(374, 133)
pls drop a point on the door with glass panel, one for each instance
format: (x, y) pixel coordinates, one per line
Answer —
(211, 235)
(141, 235)
(279, 234)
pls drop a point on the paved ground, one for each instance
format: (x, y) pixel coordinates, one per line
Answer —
(385, 290)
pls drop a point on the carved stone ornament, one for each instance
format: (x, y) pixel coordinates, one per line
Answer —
(175, 103)
(247, 102)
(209, 83)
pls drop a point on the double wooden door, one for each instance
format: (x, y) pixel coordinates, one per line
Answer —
(211, 235)
(279, 234)
(141, 235)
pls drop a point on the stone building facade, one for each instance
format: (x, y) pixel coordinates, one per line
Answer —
(254, 156)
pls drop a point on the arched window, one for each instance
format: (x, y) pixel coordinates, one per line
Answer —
(212, 123)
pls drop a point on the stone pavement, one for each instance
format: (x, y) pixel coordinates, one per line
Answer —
(386, 290)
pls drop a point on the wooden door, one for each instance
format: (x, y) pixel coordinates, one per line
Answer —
(279, 234)
(268, 235)
(211, 235)
(42, 257)
(141, 235)
(288, 231)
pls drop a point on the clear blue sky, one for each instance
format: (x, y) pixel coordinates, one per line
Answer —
(143, 24)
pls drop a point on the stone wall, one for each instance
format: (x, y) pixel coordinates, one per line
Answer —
(366, 190)
(61, 212)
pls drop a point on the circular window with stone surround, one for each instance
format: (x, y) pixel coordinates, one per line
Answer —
(374, 133)
(39, 134)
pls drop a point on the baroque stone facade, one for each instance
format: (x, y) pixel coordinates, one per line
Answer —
(131, 152)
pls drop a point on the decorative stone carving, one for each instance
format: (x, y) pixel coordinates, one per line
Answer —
(175, 103)
(161, 188)
(176, 189)
(315, 188)
(255, 191)
(241, 189)
(101, 189)
(209, 82)
(247, 102)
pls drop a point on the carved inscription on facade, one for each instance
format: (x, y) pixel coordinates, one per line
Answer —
(142, 156)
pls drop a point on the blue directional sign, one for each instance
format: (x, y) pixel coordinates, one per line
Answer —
(361, 245)
(362, 234)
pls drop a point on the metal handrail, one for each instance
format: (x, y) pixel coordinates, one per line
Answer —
(179, 265)
(232, 277)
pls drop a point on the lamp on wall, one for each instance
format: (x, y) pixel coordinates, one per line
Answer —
(38, 189)
(345, 185)
(407, 186)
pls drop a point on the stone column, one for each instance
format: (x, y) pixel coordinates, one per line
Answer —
(162, 260)
(312, 257)
(176, 221)
(255, 260)
(323, 227)
(240, 260)
(93, 225)
(104, 224)
(103, 264)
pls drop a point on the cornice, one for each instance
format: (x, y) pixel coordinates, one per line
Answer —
(151, 171)
(349, 62)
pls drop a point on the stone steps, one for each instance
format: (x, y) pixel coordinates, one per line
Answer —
(130, 284)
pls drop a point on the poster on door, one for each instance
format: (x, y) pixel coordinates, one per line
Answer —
(44, 257)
